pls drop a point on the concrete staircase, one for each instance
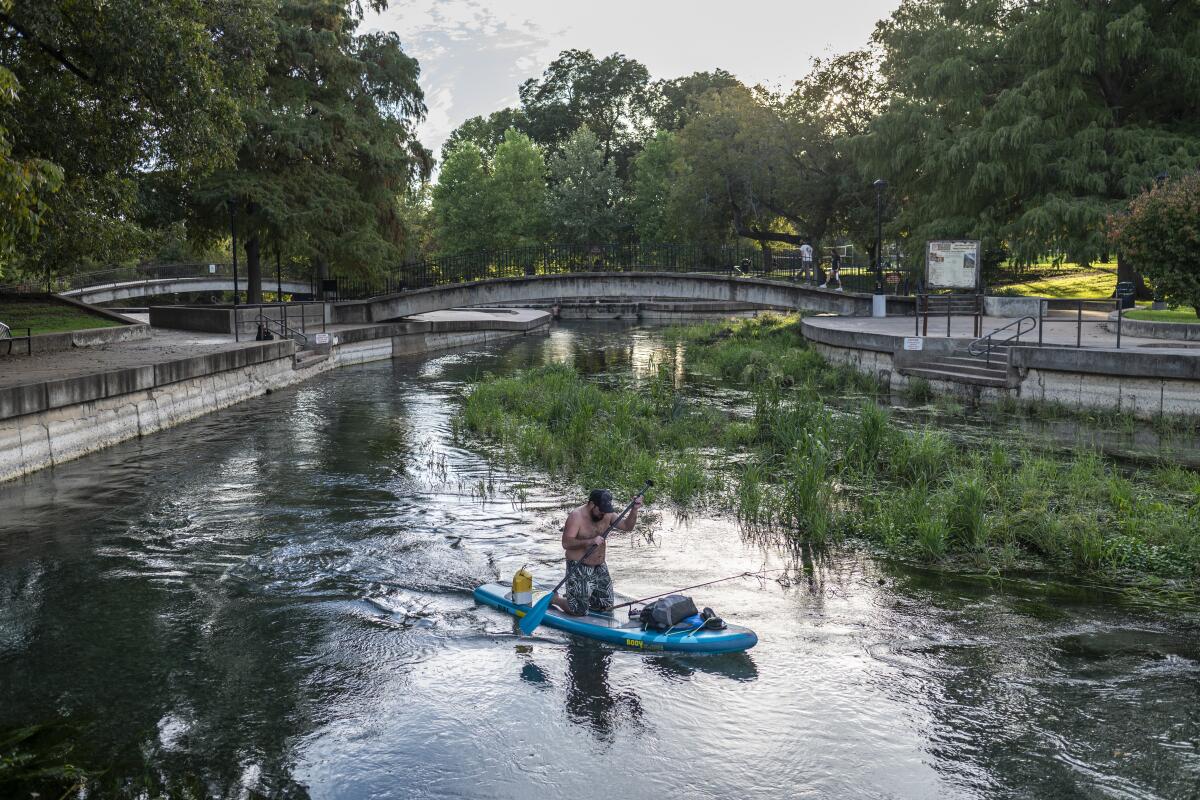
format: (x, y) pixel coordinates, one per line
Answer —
(961, 366)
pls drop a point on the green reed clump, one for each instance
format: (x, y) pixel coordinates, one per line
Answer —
(868, 437)
(555, 419)
(818, 472)
(918, 390)
(768, 350)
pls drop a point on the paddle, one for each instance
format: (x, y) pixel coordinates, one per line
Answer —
(534, 617)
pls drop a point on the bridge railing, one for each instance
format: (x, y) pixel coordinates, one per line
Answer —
(83, 279)
(548, 259)
(559, 259)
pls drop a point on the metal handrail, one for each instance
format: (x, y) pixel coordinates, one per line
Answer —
(285, 331)
(6, 336)
(987, 340)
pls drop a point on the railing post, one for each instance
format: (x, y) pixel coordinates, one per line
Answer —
(948, 315)
(1120, 313)
(1041, 303)
(1079, 325)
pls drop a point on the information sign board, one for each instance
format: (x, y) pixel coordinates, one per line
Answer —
(952, 265)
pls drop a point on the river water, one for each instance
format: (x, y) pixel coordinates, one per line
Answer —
(275, 600)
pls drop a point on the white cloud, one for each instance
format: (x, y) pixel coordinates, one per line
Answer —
(474, 55)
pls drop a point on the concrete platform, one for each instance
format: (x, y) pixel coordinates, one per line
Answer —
(1057, 330)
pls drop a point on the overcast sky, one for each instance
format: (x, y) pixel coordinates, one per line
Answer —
(474, 54)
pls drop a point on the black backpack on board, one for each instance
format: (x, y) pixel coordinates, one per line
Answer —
(664, 613)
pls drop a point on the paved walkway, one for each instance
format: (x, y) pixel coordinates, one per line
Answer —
(163, 345)
(1058, 331)
(171, 345)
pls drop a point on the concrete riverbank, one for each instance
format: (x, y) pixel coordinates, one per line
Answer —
(55, 411)
(1146, 378)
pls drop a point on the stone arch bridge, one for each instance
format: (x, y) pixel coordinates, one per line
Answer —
(111, 292)
(581, 287)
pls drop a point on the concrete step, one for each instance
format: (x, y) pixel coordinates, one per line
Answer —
(998, 362)
(979, 370)
(933, 373)
(308, 358)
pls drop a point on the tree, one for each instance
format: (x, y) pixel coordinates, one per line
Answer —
(608, 95)
(517, 192)
(329, 144)
(416, 215)
(24, 183)
(584, 192)
(652, 179)
(672, 101)
(1027, 124)
(111, 90)
(461, 202)
(486, 132)
(1161, 231)
(738, 170)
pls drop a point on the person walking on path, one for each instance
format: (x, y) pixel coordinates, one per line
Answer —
(835, 270)
(807, 275)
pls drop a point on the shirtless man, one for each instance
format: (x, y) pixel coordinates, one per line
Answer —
(589, 586)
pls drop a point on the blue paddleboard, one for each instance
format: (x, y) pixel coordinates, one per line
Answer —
(612, 628)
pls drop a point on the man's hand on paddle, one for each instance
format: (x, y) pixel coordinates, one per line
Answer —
(631, 518)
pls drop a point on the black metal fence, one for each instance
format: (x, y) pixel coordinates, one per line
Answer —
(559, 259)
(82, 279)
(855, 274)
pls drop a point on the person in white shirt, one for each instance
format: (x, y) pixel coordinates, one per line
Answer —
(807, 274)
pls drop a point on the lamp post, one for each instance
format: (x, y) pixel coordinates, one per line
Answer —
(233, 234)
(1158, 303)
(879, 301)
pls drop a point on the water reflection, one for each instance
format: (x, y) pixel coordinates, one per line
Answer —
(591, 700)
(276, 599)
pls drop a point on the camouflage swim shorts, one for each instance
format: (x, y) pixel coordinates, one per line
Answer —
(588, 588)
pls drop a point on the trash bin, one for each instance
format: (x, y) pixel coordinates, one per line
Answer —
(1125, 292)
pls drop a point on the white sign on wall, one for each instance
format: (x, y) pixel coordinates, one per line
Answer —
(914, 343)
(952, 265)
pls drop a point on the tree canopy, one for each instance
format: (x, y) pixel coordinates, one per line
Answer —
(1027, 124)
(608, 95)
(329, 144)
(585, 193)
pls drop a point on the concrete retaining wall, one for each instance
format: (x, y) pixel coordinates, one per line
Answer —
(1143, 382)
(1011, 306)
(307, 317)
(50, 423)
(44, 343)
(126, 330)
(1148, 329)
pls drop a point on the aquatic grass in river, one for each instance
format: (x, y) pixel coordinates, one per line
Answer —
(818, 471)
(917, 391)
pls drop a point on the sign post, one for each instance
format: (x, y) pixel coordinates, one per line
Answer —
(953, 264)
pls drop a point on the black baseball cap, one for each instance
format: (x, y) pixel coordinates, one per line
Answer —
(602, 499)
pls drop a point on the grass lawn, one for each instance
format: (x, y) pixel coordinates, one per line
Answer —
(45, 317)
(1097, 282)
(1170, 315)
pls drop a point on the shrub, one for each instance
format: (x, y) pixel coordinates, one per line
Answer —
(1161, 234)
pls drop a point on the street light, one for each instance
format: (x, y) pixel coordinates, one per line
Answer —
(1158, 303)
(233, 233)
(878, 302)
